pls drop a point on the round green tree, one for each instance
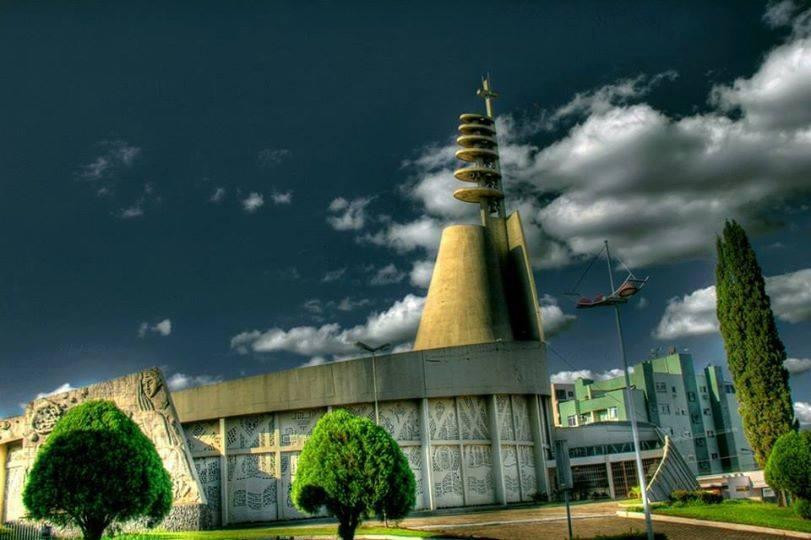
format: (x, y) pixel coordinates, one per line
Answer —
(95, 469)
(789, 467)
(354, 469)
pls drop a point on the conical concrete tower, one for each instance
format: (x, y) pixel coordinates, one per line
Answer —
(482, 289)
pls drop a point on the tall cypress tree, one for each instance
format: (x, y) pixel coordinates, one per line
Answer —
(755, 353)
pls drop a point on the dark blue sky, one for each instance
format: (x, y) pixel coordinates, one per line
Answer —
(121, 121)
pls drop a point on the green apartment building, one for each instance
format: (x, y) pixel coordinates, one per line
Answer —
(698, 410)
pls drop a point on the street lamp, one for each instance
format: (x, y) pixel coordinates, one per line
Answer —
(374, 351)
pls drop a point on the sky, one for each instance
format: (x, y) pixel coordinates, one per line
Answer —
(227, 189)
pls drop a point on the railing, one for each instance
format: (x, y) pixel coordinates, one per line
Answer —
(18, 530)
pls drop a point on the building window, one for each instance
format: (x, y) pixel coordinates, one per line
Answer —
(706, 412)
(665, 408)
(661, 387)
(584, 419)
(703, 389)
(691, 396)
(695, 418)
(571, 394)
(700, 442)
(674, 389)
(729, 389)
(714, 455)
(560, 395)
(571, 420)
(710, 433)
(612, 413)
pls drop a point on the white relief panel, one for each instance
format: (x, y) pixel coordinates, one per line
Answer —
(296, 426)
(447, 473)
(203, 436)
(400, 419)
(364, 410)
(414, 456)
(529, 483)
(15, 479)
(521, 415)
(479, 474)
(510, 471)
(473, 418)
(442, 420)
(252, 487)
(505, 423)
(208, 471)
(246, 432)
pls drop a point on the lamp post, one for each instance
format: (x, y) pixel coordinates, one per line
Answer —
(374, 351)
(640, 471)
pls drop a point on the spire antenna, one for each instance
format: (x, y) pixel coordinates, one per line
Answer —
(486, 93)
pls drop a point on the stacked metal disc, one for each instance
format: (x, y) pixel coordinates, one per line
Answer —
(478, 147)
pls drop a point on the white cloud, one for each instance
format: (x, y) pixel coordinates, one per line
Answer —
(134, 211)
(282, 198)
(569, 377)
(779, 13)
(658, 187)
(348, 304)
(692, 315)
(179, 381)
(348, 215)
(396, 325)
(163, 328)
(695, 313)
(253, 202)
(333, 275)
(553, 320)
(117, 155)
(795, 366)
(218, 195)
(387, 275)
(802, 410)
(421, 272)
(62, 388)
(269, 157)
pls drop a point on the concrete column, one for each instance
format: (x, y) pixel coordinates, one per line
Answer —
(427, 472)
(611, 492)
(223, 474)
(536, 418)
(495, 442)
(517, 448)
(277, 472)
(3, 460)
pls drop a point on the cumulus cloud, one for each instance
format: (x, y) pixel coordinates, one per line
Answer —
(348, 215)
(396, 325)
(218, 195)
(420, 274)
(795, 366)
(658, 187)
(802, 410)
(179, 381)
(779, 13)
(253, 202)
(333, 275)
(282, 198)
(553, 319)
(350, 304)
(62, 388)
(694, 314)
(162, 328)
(387, 275)
(115, 156)
(270, 157)
(569, 377)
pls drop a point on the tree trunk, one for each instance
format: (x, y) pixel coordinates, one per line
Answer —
(347, 526)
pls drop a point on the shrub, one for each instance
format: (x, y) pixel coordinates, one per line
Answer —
(789, 465)
(354, 469)
(802, 507)
(631, 535)
(683, 496)
(95, 469)
(635, 493)
(539, 497)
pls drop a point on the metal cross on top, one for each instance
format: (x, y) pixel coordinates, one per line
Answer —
(487, 94)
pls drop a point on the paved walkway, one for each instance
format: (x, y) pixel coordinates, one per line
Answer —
(588, 521)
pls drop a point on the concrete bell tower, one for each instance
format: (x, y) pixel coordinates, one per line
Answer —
(482, 289)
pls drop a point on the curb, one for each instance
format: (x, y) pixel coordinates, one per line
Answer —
(716, 524)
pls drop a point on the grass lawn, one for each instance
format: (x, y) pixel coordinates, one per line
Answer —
(763, 514)
(270, 532)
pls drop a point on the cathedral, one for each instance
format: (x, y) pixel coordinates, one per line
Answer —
(469, 405)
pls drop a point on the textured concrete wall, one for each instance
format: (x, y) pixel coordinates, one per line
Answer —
(493, 368)
(247, 463)
(146, 398)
